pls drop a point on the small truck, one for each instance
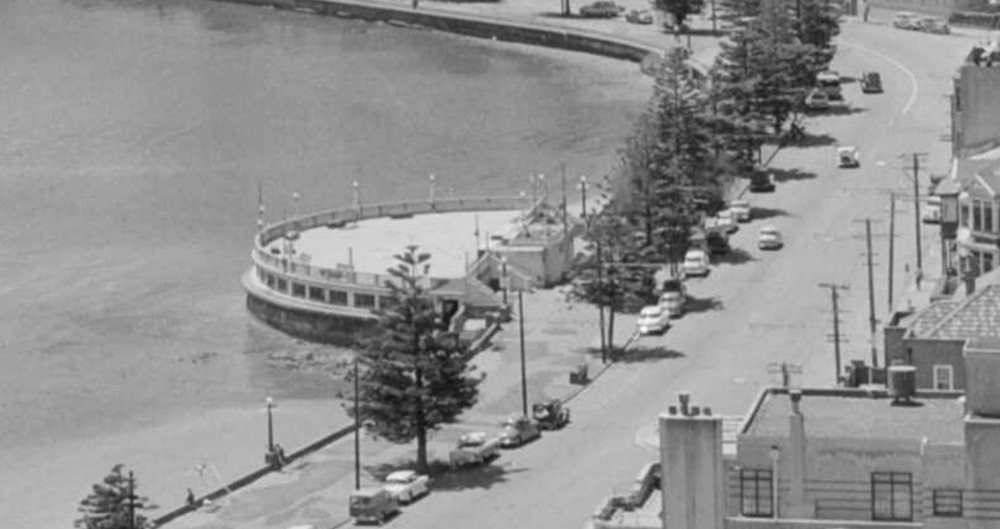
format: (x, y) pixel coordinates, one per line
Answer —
(474, 449)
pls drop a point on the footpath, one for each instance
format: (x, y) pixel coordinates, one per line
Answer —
(559, 337)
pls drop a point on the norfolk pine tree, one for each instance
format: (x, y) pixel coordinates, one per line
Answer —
(680, 9)
(113, 504)
(415, 375)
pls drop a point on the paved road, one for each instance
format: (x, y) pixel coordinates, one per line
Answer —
(758, 309)
(771, 307)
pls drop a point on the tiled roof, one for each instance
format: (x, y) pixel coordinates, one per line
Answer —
(991, 176)
(862, 417)
(977, 316)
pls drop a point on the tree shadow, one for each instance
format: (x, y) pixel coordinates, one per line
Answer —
(444, 477)
(759, 213)
(785, 175)
(845, 110)
(695, 305)
(557, 14)
(812, 140)
(847, 79)
(734, 256)
(637, 354)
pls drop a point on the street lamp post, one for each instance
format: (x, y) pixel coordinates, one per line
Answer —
(270, 426)
(583, 197)
(357, 427)
(524, 374)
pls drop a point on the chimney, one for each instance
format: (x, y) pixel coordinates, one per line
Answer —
(685, 398)
(796, 467)
(970, 282)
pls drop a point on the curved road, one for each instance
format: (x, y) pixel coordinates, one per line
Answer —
(772, 309)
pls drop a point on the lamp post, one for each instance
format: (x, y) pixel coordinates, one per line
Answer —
(270, 425)
(775, 456)
(432, 187)
(295, 201)
(357, 427)
(583, 197)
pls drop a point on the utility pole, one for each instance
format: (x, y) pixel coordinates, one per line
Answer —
(834, 298)
(892, 244)
(872, 322)
(786, 370)
(916, 157)
(357, 425)
(600, 302)
(524, 375)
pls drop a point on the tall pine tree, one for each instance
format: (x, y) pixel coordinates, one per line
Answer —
(113, 504)
(416, 375)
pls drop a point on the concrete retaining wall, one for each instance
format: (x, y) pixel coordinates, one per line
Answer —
(942, 8)
(474, 25)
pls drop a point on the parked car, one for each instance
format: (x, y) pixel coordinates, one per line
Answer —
(639, 16)
(673, 303)
(848, 157)
(601, 9)
(769, 238)
(871, 83)
(518, 431)
(474, 448)
(932, 25)
(550, 415)
(372, 505)
(653, 319)
(695, 263)
(674, 285)
(741, 210)
(817, 100)
(761, 182)
(726, 221)
(932, 210)
(717, 242)
(904, 20)
(829, 81)
(407, 485)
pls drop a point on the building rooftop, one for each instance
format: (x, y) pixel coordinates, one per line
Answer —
(858, 415)
(452, 239)
(976, 316)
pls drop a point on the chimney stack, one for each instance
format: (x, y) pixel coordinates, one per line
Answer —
(685, 399)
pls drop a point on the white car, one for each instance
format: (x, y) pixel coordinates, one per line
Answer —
(695, 263)
(904, 20)
(673, 303)
(740, 210)
(407, 485)
(769, 238)
(653, 319)
(817, 100)
(726, 221)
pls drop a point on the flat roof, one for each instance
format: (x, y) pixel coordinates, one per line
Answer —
(862, 417)
(449, 237)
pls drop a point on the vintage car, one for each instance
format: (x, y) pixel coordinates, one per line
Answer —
(550, 415)
(653, 319)
(695, 263)
(932, 25)
(474, 448)
(769, 238)
(673, 303)
(817, 100)
(871, 83)
(639, 16)
(848, 157)
(518, 431)
(904, 20)
(761, 182)
(601, 9)
(372, 505)
(407, 485)
(741, 210)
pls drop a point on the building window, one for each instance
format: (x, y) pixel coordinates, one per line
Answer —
(282, 285)
(316, 294)
(965, 215)
(977, 215)
(948, 502)
(755, 493)
(892, 496)
(337, 297)
(269, 279)
(987, 262)
(988, 217)
(944, 377)
(364, 301)
(298, 290)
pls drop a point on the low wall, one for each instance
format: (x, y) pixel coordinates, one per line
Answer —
(475, 25)
(247, 479)
(781, 523)
(941, 8)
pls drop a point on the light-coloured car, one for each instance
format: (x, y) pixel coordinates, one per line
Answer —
(741, 210)
(518, 431)
(932, 25)
(601, 9)
(673, 303)
(904, 20)
(726, 221)
(848, 157)
(639, 16)
(695, 263)
(653, 319)
(407, 485)
(769, 238)
(932, 210)
(817, 100)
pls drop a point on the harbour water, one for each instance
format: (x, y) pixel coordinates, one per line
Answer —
(133, 136)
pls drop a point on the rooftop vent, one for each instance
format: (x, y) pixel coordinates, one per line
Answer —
(902, 384)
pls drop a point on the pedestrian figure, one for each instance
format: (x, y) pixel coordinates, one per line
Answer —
(868, 9)
(415, 2)
(191, 499)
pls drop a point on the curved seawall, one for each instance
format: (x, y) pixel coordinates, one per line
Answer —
(493, 28)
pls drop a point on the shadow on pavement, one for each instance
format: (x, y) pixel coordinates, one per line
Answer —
(785, 175)
(733, 256)
(557, 14)
(443, 477)
(845, 110)
(813, 140)
(759, 213)
(847, 79)
(640, 353)
(695, 305)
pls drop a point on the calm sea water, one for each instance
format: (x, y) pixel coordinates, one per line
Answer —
(132, 139)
